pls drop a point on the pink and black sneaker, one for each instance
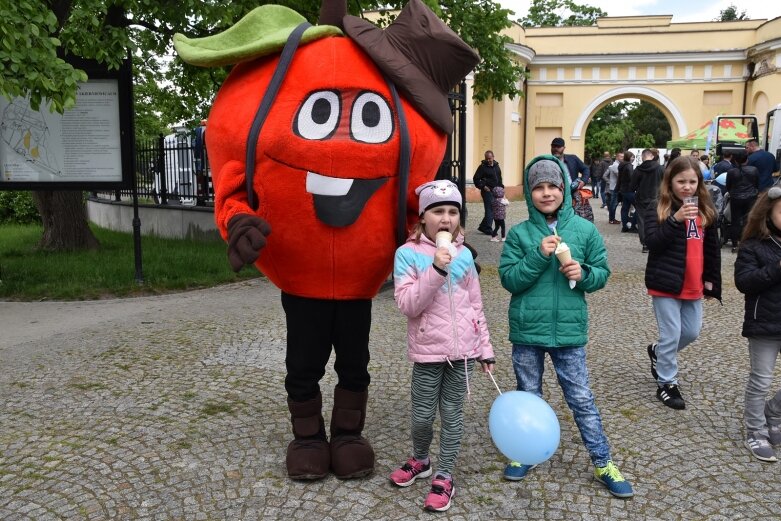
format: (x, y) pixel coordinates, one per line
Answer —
(442, 491)
(410, 471)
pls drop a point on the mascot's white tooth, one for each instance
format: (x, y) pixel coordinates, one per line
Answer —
(321, 185)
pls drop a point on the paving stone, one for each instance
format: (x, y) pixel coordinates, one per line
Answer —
(172, 407)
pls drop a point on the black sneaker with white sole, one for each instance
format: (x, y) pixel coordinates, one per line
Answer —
(670, 396)
(652, 356)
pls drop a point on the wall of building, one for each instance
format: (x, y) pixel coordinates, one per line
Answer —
(691, 71)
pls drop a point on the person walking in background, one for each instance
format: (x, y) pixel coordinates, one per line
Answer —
(598, 167)
(500, 211)
(724, 165)
(706, 174)
(696, 155)
(548, 309)
(684, 264)
(758, 276)
(606, 162)
(578, 170)
(763, 161)
(625, 169)
(674, 153)
(437, 288)
(743, 187)
(487, 177)
(611, 186)
(645, 184)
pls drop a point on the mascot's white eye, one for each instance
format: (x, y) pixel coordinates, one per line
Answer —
(318, 116)
(371, 120)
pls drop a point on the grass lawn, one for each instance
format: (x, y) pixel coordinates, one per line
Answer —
(167, 264)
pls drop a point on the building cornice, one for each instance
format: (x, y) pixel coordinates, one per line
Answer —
(770, 45)
(526, 53)
(641, 58)
(633, 82)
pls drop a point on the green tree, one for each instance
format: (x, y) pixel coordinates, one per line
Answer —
(621, 125)
(35, 35)
(556, 13)
(649, 119)
(730, 14)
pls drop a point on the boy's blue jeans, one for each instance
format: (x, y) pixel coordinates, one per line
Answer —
(572, 373)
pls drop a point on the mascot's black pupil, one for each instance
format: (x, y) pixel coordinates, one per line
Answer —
(321, 111)
(371, 115)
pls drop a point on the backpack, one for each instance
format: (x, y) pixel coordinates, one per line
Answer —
(581, 202)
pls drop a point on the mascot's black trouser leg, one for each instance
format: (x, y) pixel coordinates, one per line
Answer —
(314, 327)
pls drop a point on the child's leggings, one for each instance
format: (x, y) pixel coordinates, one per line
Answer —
(439, 385)
(499, 223)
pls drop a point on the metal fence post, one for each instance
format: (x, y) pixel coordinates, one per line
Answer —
(160, 169)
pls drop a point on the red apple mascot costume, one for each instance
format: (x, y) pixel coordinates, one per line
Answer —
(316, 142)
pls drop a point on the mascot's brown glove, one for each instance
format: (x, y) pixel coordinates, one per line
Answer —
(246, 236)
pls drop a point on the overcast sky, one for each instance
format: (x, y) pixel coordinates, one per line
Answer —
(682, 11)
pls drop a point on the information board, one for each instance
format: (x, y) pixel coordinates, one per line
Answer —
(87, 147)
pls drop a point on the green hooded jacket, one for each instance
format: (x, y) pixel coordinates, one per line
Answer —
(544, 311)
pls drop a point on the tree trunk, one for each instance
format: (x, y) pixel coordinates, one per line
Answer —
(64, 218)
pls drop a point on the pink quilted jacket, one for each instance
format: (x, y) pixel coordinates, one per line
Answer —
(445, 314)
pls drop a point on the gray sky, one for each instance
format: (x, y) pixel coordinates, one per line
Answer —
(682, 11)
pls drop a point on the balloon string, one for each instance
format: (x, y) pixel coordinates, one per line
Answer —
(494, 381)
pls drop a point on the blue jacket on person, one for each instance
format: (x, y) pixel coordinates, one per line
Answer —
(766, 164)
(576, 166)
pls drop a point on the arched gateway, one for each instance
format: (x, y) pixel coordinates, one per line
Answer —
(691, 71)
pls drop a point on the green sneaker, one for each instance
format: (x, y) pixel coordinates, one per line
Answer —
(611, 477)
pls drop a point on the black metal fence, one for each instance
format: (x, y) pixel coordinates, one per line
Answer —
(453, 166)
(172, 170)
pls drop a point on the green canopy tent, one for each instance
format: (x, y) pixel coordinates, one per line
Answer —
(729, 130)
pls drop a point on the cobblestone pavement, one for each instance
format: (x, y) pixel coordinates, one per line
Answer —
(172, 407)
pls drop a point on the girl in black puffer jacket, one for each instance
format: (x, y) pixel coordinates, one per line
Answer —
(684, 265)
(758, 276)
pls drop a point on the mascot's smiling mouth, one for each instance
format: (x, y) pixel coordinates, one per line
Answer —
(339, 202)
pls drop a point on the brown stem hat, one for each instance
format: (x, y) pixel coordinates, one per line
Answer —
(420, 54)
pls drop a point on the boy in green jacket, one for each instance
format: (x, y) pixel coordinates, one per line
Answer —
(548, 311)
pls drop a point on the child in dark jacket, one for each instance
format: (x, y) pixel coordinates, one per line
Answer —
(758, 276)
(548, 309)
(500, 212)
(684, 264)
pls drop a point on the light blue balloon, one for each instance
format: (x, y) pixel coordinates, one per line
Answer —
(524, 427)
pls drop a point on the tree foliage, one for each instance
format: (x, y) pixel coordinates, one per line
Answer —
(36, 35)
(557, 13)
(479, 23)
(730, 14)
(626, 124)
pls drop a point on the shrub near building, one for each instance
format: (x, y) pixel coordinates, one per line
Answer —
(18, 207)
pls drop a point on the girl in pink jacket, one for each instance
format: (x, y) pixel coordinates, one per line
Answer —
(436, 286)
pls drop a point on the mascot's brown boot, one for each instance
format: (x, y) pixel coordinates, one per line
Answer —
(351, 455)
(308, 456)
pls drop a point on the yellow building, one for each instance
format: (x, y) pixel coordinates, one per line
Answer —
(691, 71)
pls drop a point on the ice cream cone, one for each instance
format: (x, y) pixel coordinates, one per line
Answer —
(563, 253)
(443, 239)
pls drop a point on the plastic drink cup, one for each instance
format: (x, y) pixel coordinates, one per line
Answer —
(443, 239)
(692, 199)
